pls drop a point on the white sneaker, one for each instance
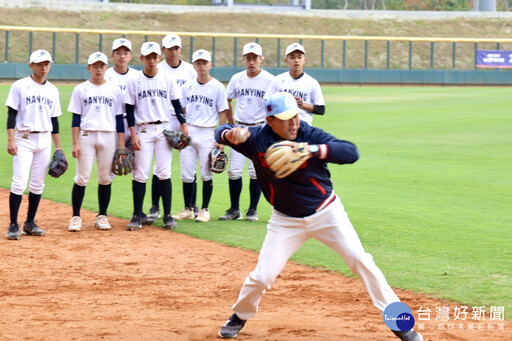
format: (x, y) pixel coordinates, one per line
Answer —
(75, 224)
(102, 223)
(203, 216)
(187, 213)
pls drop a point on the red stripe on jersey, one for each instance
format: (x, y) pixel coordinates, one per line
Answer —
(271, 194)
(317, 185)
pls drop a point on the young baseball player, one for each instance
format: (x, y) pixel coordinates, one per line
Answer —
(121, 73)
(248, 88)
(295, 180)
(303, 87)
(33, 106)
(97, 111)
(182, 72)
(150, 95)
(205, 105)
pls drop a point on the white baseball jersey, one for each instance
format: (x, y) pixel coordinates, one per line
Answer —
(121, 80)
(98, 105)
(203, 102)
(182, 73)
(305, 87)
(36, 104)
(249, 93)
(152, 97)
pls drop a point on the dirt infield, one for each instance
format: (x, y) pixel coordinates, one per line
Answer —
(155, 284)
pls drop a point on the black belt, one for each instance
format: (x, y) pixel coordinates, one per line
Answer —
(250, 124)
(35, 132)
(156, 122)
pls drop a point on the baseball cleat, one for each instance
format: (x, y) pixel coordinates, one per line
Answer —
(232, 214)
(187, 213)
(196, 211)
(154, 213)
(31, 229)
(251, 215)
(134, 224)
(102, 222)
(410, 335)
(203, 216)
(169, 222)
(75, 224)
(147, 220)
(232, 327)
(13, 232)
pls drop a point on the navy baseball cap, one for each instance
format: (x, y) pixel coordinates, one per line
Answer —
(282, 105)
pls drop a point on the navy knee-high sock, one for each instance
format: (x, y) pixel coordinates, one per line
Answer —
(255, 191)
(188, 193)
(104, 193)
(166, 190)
(33, 204)
(193, 201)
(235, 189)
(155, 190)
(14, 206)
(139, 191)
(207, 193)
(77, 197)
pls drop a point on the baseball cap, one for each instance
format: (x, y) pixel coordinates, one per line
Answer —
(294, 47)
(97, 57)
(121, 42)
(202, 54)
(282, 105)
(171, 40)
(150, 47)
(252, 48)
(40, 56)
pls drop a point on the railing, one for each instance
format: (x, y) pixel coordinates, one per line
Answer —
(72, 46)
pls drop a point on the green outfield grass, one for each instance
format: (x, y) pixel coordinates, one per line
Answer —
(431, 196)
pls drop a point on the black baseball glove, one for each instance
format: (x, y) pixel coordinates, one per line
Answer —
(217, 161)
(59, 164)
(123, 162)
(177, 139)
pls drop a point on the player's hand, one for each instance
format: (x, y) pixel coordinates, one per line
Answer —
(12, 148)
(237, 135)
(301, 104)
(136, 142)
(184, 129)
(76, 151)
(220, 146)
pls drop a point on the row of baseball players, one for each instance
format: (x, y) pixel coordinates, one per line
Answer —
(143, 99)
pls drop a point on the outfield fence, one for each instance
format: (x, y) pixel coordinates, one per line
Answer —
(326, 54)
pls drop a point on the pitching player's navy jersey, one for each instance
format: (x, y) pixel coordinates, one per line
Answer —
(309, 188)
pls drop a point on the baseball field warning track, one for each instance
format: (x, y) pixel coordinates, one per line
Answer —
(155, 284)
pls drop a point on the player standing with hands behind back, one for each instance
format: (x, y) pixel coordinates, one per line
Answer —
(303, 87)
(295, 180)
(97, 115)
(33, 107)
(248, 88)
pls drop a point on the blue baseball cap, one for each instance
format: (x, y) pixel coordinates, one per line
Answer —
(282, 105)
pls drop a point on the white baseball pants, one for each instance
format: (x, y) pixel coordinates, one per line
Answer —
(153, 142)
(32, 159)
(99, 144)
(202, 144)
(236, 165)
(285, 235)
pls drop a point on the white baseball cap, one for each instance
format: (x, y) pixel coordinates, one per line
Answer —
(121, 42)
(294, 47)
(171, 40)
(252, 48)
(97, 57)
(40, 56)
(150, 47)
(282, 105)
(202, 54)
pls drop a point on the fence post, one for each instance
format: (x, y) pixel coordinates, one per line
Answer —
(6, 46)
(235, 43)
(54, 45)
(366, 54)
(322, 54)
(30, 40)
(191, 47)
(344, 53)
(213, 51)
(388, 54)
(77, 48)
(476, 48)
(410, 55)
(278, 52)
(432, 55)
(101, 43)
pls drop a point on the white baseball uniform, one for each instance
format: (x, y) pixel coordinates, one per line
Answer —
(152, 98)
(36, 105)
(249, 93)
(121, 80)
(98, 106)
(305, 87)
(203, 102)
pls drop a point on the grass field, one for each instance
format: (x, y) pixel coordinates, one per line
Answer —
(431, 196)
